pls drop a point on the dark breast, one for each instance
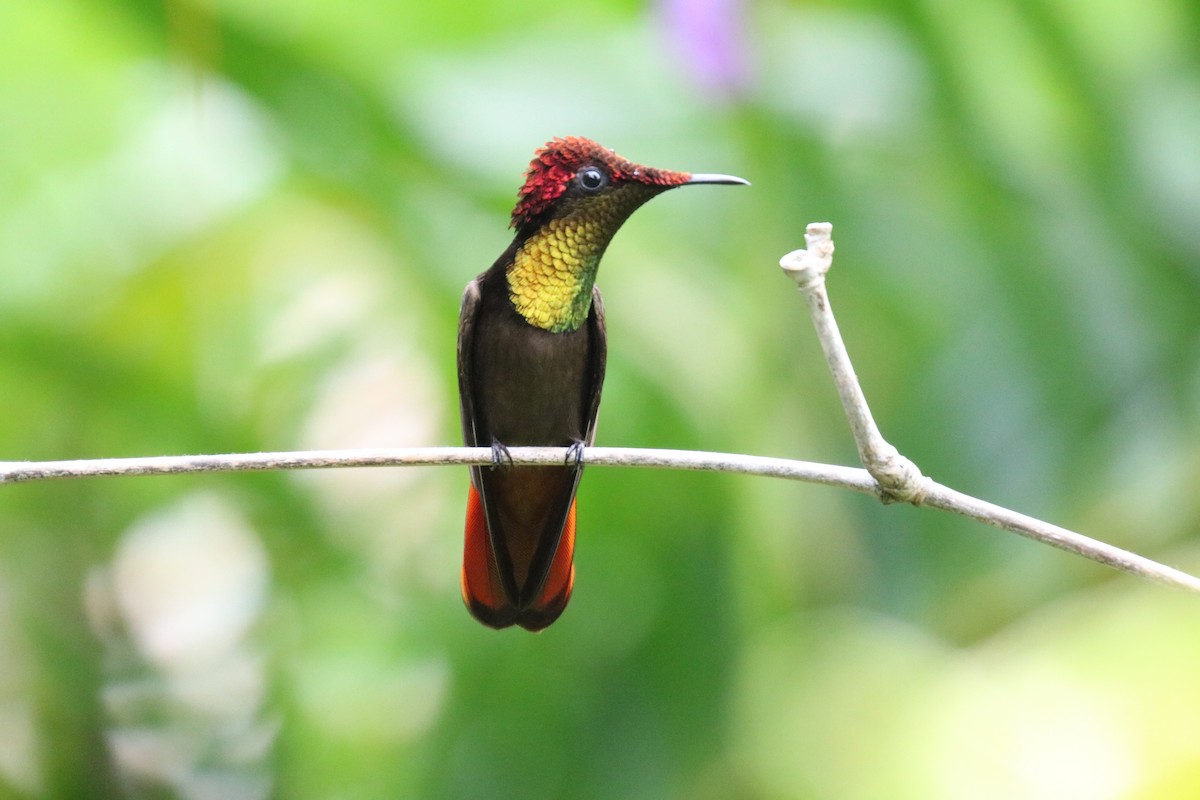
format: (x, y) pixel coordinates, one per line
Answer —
(531, 386)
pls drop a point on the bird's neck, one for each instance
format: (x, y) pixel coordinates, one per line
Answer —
(553, 270)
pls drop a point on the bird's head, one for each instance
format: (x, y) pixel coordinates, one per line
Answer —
(572, 173)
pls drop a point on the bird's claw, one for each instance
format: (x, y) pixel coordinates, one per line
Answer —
(500, 455)
(574, 455)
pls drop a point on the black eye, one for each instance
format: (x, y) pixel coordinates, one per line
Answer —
(592, 179)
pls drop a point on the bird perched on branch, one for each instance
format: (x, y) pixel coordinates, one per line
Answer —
(531, 352)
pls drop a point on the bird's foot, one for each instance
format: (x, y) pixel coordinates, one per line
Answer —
(574, 455)
(500, 455)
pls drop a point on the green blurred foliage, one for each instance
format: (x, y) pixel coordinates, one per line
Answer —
(232, 226)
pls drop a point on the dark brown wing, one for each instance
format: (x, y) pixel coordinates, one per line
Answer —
(598, 356)
(488, 597)
(466, 340)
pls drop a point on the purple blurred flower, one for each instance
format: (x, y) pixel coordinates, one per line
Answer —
(709, 40)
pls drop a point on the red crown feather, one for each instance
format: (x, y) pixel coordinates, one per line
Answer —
(554, 167)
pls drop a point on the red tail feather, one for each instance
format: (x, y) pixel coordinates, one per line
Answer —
(482, 590)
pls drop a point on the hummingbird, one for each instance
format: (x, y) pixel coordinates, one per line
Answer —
(531, 355)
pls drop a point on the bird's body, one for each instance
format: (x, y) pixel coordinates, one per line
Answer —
(531, 356)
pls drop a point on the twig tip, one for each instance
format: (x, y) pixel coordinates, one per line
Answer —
(808, 267)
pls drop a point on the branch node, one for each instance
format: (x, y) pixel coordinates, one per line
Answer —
(900, 479)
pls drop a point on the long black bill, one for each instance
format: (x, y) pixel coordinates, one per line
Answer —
(712, 177)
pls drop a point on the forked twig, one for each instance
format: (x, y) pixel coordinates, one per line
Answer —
(897, 478)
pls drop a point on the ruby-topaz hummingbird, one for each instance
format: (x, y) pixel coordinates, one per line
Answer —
(531, 352)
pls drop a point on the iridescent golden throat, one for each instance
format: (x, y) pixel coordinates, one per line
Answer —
(550, 280)
(551, 277)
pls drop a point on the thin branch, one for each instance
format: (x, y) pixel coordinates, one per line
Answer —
(888, 475)
(859, 480)
(807, 471)
(947, 499)
(899, 478)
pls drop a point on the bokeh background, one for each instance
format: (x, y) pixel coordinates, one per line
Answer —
(238, 226)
